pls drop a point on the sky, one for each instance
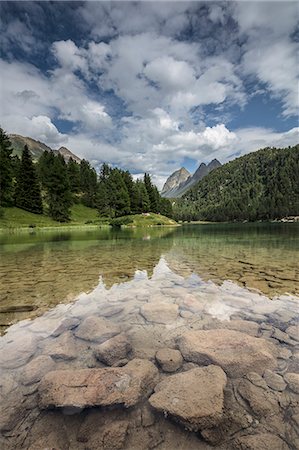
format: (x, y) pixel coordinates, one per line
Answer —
(151, 86)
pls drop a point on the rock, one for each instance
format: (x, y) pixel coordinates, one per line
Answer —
(244, 326)
(262, 402)
(36, 369)
(237, 353)
(170, 360)
(113, 350)
(96, 329)
(264, 441)
(281, 336)
(257, 380)
(274, 381)
(114, 435)
(147, 417)
(63, 347)
(98, 387)
(16, 350)
(293, 332)
(292, 380)
(67, 324)
(160, 312)
(284, 353)
(194, 398)
(110, 310)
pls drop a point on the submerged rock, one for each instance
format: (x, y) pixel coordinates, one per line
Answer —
(113, 350)
(83, 388)
(195, 398)
(274, 381)
(96, 329)
(237, 353)
(292, 380)
(263, 441)
(160, 312)
(36, 369)
(170, 360)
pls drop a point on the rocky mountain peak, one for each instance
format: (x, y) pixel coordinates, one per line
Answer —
(175, 179)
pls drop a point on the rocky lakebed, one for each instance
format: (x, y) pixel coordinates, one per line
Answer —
(164, 362)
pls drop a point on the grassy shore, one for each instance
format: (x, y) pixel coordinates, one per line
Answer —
(81, 216)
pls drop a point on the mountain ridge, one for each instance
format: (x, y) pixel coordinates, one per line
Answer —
(180, 188)
(37, 148)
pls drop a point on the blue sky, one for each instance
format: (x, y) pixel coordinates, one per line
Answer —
(150, 86)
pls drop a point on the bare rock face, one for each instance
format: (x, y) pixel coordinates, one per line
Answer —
(264, 441)
(194, 398)
(237, 353)
(170, 360)
(160, 312)
(96, 329)
(98, 387)
(114, 350)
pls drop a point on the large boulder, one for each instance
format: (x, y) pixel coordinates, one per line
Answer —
(160, 312)
(96, 329)
(98, 387)
(194, 398)
(237, 353)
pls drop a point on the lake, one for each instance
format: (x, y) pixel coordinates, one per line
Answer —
(38, 270)
(164, 338)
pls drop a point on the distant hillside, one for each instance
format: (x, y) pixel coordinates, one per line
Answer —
(37, 148)
(181, 181)
(262, 185)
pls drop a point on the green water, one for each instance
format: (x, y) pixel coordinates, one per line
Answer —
(40, 270)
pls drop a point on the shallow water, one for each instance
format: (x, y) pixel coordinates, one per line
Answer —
(134, 306)
(40, 270)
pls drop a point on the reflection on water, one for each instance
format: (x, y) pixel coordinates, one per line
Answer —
(40, 270)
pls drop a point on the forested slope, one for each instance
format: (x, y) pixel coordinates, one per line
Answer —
(262, 185)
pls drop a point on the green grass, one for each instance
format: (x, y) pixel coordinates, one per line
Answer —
(149, 220)
(18, 218)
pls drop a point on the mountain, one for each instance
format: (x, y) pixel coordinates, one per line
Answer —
(174, 187)
(174, 180)
(262, 185)
(37, 148)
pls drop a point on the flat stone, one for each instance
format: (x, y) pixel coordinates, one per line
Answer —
(170, 360)
(67, 324)
(293, 332)
(194, 398)
(16, 350)
(237, 353)
(63, 347)
(264, 441)
(96, 329)
(262, 402)
(281, 336)
(113, 350)
(110, 310)
(274, 381)
(36, 369)
(160, 312)
(244, 326)
(84, 388)
(292, 380)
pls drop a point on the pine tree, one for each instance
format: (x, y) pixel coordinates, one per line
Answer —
(6, 171)
(140, 202)
(27, 193)
(152, 193)
(73, 169)
(88, 183)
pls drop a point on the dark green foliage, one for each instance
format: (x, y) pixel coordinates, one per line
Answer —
(27, 191)
(6, 171)
(165, 207)
(73, 170)
(140, 202)
(55, 181)
(88, 183)
(153, 193)
(262, 185)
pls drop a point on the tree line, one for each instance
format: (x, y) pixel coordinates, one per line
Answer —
(52, 186)
(262, 185)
